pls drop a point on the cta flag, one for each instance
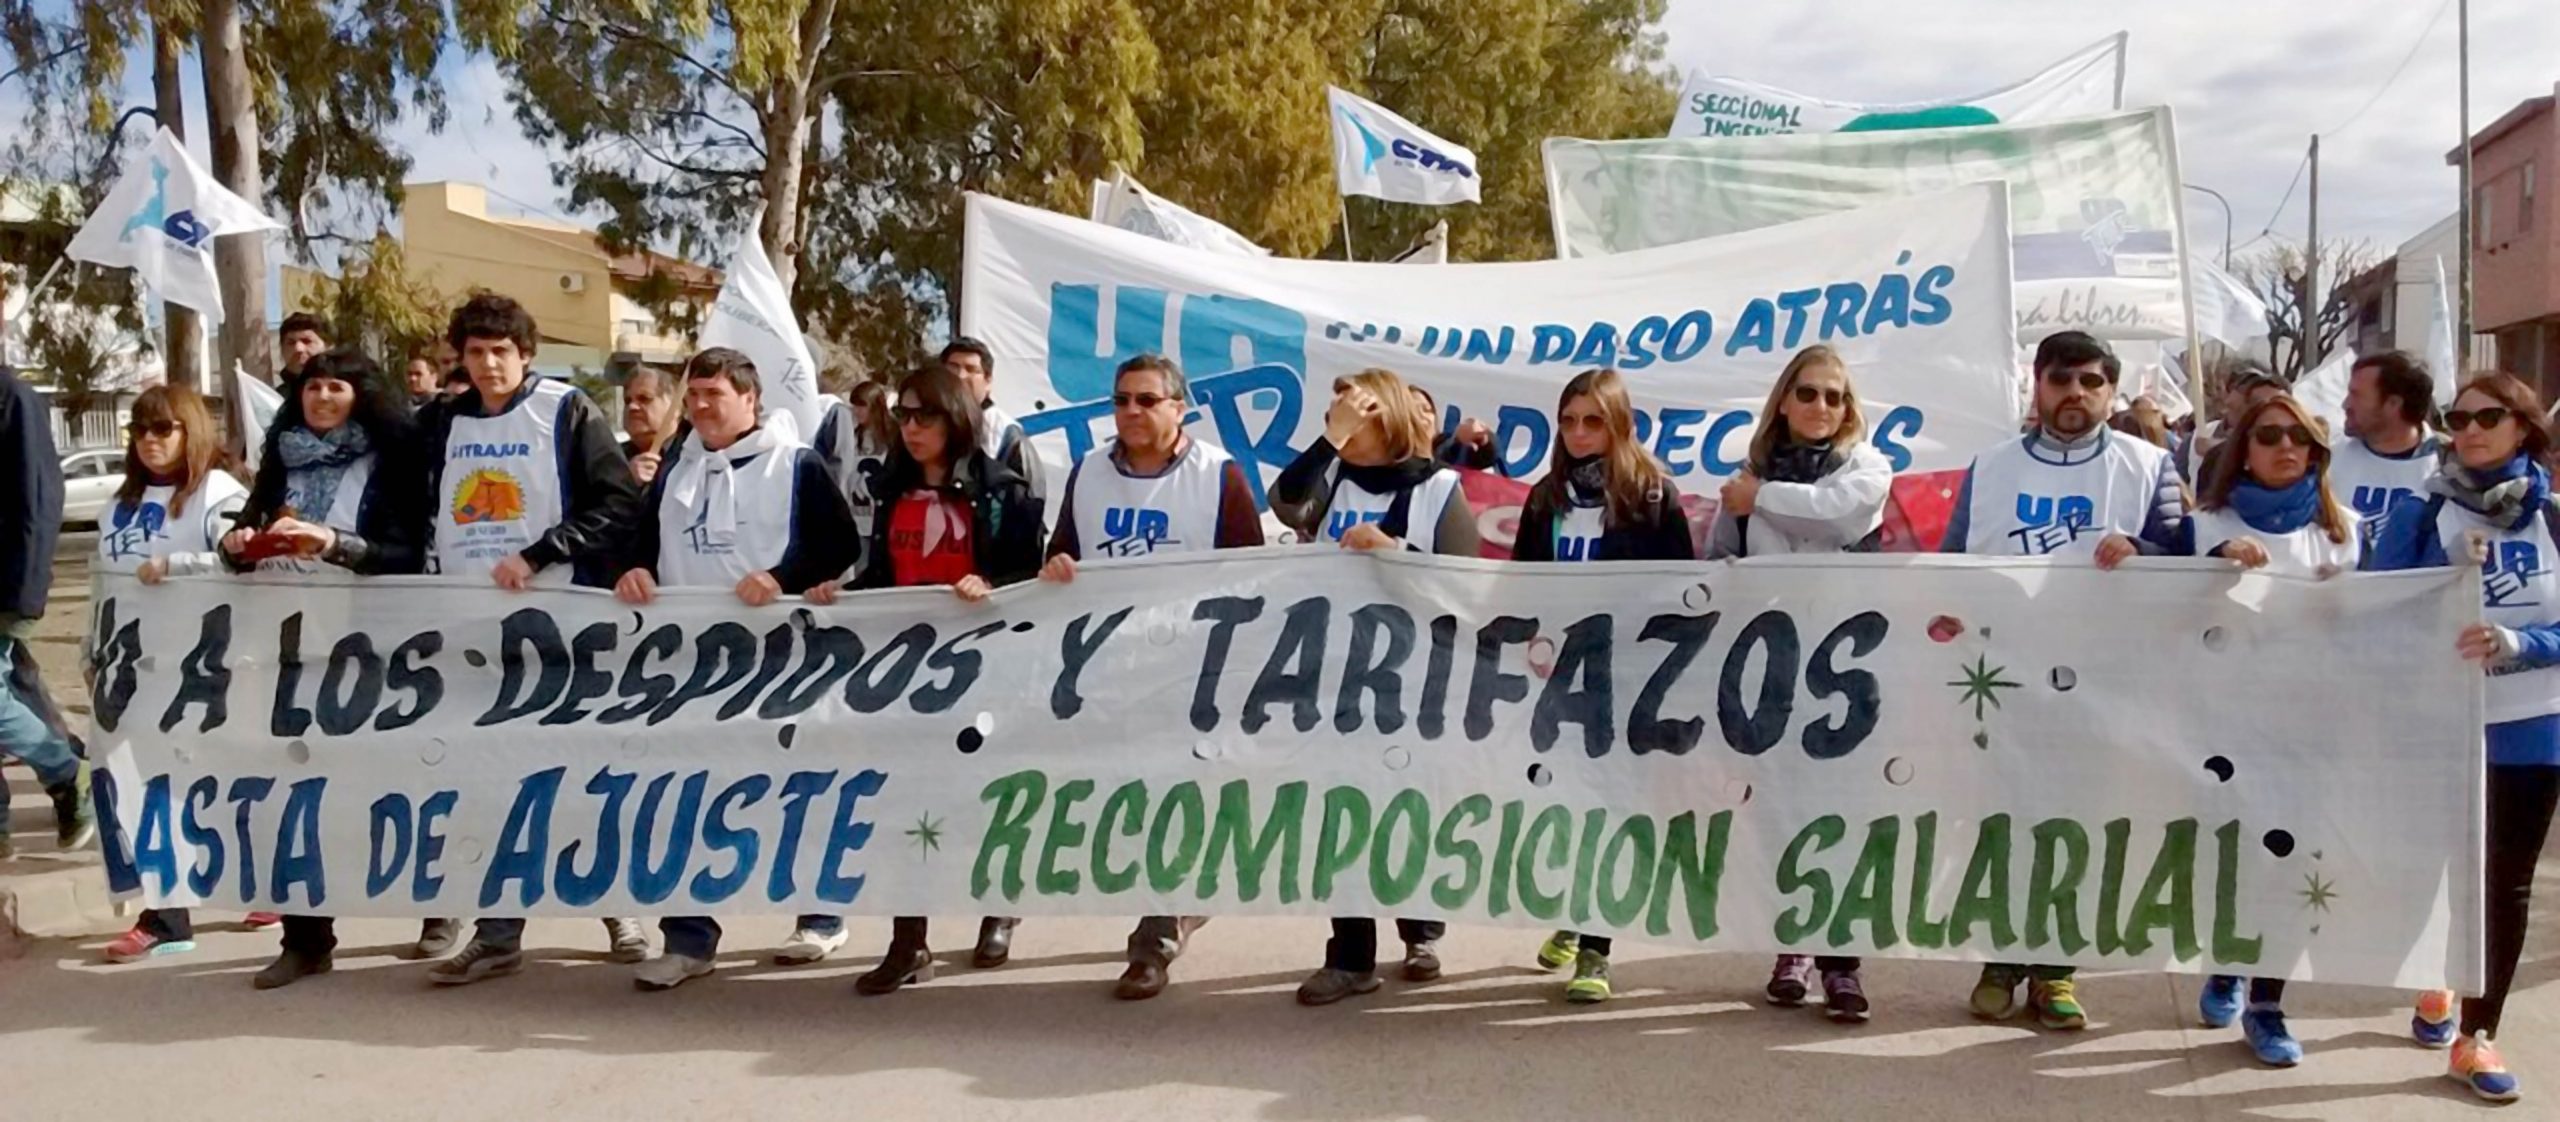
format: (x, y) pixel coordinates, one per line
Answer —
(753, 315)
(160, 221)
(1384, 156)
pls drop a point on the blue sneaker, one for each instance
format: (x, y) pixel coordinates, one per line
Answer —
(2274, 1043)
(2437, 1019)
(2218, 1004)
(2476, 1065)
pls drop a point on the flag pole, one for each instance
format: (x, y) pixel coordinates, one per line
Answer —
(1346, 229)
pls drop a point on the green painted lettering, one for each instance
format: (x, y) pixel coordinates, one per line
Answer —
(1017, 798)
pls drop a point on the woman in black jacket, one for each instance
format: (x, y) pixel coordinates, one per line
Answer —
(342, 484)
(948, 515)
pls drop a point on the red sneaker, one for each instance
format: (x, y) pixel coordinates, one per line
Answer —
(138, 944)
(260, 921)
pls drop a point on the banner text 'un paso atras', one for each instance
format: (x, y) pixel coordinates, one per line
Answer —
(1932, 757)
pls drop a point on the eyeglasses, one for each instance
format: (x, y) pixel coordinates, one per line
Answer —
(1809, 394)
(1571, 421)
(916, 414)
(154, 428)
(2090, 380)
(1141, 400)
(2460, 419)
(2268, 436)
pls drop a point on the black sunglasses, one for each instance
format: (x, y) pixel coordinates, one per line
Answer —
(916, 414)
(2089, 380)
(154, 428)
(1141, 400)
(2460, 419)
(2268, 436)
(1810, 394)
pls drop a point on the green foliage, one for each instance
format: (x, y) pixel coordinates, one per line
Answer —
(374, 303)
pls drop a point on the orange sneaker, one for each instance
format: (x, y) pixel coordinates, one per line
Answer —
(137, 944)
(260, 921)
(2434, 1024)
(2476, 1065)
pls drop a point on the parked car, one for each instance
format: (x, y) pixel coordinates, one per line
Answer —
(89, 482)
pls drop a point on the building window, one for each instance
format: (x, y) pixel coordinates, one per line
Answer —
(2480, 218)
(2524, 218)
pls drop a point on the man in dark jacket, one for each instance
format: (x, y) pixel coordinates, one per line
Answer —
(30, 524)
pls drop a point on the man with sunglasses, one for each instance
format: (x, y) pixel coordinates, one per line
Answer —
(1151, 490)
(2071, 488)
(2388, 452)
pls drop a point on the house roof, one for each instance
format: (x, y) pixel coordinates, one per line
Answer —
(2514, 119)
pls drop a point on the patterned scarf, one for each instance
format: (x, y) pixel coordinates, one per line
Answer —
(315, 462)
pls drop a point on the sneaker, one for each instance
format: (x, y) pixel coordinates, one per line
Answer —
(1844, 998)
(2057, 1004)
(2436, 1022)
(260, 921)
(2476, 1065)
(1326, 986)
(1558, 951)
(1791, 980)
(630, 941)
(806, 946)
(1995, 997)
(2218, 1004)
(73, 824)
(2267, 1035)
(436, 938)
(1421, 963)
(138, 944)
(1590, 984)
(667, 971)
(478, 962)
(290, 967)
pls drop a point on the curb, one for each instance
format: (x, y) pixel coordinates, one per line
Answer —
(67, 901)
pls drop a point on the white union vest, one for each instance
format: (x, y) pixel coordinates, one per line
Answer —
(2518, 588)
(1353, 504)
(131, 535)
(502, 487)
(702, 545)
(2027, 507)
(2301, 553)
(2369, 482)
(1577, 531)
(1120, 515)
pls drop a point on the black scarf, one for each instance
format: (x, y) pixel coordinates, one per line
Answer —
(1387, 479)
(1586, 481)
(1790, 462)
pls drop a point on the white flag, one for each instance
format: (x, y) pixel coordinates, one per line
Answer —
(2324, 389)
(753, 315)
(1384, 156)
(258, 403)
(160, 221)
(2440, 352)
(2226, 310)
(1128, 205)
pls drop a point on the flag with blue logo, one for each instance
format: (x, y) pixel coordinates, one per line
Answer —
(1384, 156)
(160, 221)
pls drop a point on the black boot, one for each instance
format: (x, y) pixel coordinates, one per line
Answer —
(290, 967)
(908, 960)
(995, 942)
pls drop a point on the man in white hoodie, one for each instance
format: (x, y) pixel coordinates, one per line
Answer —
(970, 361)
(735, 506)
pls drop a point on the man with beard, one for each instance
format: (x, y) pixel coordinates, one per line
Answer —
(2072, 488)
(2388, 453)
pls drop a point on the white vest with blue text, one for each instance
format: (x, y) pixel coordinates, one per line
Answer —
(2302, 553)
(1578, 530)
(723, 517)
(2369, 482)
(2027, 507)
(2518, 588)
(1119, 515)
(1353, 504)
(131, 535)
(503, 487)
(346, 506)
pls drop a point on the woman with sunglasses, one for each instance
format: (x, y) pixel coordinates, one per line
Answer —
(2490, 503)
(173, 508)
(342, 485)
(2266, 504)
(1604, 498)
(1370, 483)
(1812, 485)
(950, 515)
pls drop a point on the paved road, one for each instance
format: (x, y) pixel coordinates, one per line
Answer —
(1043, 1039)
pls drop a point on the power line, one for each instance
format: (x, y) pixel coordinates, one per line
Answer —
(2414, 46)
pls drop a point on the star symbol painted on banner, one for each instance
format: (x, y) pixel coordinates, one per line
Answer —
(1982, 684)
(2317, 891)
(926, 834)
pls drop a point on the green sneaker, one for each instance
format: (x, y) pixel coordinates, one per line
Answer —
(1995, 997)
(2057, 1004)
(1558, 951)
(1590, 984)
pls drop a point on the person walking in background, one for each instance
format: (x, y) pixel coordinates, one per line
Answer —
(30, 528)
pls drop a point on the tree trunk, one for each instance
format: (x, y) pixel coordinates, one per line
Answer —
(787, 125)
(239, 260)
(182, 349)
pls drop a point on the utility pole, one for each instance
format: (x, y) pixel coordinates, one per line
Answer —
(2462, 318)
(2311, 273)
(239, 260)
(182, 347)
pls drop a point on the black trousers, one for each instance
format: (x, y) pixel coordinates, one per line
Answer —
(310, 936)
(1354, 946)
(2521, 800)
(172, 925)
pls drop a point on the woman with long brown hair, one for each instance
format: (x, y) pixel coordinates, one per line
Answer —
(1604, 498)
(2490, 504)
(168, 519)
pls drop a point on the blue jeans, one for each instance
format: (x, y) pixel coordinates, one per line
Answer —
(25, 733)
(699, 936)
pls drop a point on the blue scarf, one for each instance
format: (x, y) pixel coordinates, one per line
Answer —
(315, 462)
(2507, 495)
(2277, 511)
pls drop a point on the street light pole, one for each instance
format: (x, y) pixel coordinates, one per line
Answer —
(2226, 222)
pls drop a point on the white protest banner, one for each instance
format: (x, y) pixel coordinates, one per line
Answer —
(2093, 203)
(1380, 154)
(2091, 81)
(1930, 757)
(1915, 294)
(160, 219)
(1121, 202)
(753, 315)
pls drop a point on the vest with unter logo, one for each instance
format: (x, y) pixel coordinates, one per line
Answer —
(1353, 504)
(1120, 515)
(2028, 506)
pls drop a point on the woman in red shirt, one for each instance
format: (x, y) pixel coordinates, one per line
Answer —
(948, 515)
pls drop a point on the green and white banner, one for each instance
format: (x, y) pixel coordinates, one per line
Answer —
(2097, 233)
(2171, 767)
(2090, 81)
